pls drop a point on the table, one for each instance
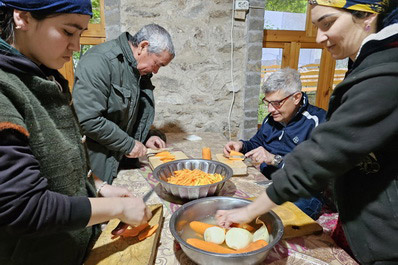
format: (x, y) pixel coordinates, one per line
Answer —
(311, 249)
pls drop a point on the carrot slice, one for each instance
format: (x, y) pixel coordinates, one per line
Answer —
(163, 154)
(209, 246)
(199, 227)
(167, 159)
(244, 226)
(235, 153)
(132, 232)
(253, 246)
(148, 232)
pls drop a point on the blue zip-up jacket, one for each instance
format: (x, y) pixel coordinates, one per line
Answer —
(279, 139)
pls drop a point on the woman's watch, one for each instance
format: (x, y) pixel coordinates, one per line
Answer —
(277, 160)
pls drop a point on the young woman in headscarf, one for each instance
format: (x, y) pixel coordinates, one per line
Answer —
(357, 147)
(48, 204)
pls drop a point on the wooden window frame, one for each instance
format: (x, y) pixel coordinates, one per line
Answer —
(291, 41)
(95, 34)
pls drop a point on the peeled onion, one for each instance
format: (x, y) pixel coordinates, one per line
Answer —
(215, 235)
(261, 233)
(238, 238)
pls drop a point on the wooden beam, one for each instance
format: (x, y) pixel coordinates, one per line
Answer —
(68, 73)
(91, 40)
(325, 81)
(310, 29)
(97, 29)
(286, 36)
(304, 45)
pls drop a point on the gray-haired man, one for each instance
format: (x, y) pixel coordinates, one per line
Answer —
(289, 122)
(113, 97)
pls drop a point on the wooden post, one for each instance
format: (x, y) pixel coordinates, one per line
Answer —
(325, 81)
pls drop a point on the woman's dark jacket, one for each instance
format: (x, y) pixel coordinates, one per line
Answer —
(357, 149)
(44, 188)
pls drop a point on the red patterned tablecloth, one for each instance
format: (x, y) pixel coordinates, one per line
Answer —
(311, 249)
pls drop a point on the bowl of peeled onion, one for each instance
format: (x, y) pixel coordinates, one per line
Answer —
(192, 178)
(194, 227)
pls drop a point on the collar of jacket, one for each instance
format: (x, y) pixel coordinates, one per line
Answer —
(384, 39)
(128, 53)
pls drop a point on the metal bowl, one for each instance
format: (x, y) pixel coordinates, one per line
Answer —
(162, 172)
(202, 208)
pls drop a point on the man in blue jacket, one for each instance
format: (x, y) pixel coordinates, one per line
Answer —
(289, 122)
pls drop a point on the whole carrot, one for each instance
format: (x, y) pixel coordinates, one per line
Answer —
(209, 246)
(253, 246)
(206, 153)
(199, 227)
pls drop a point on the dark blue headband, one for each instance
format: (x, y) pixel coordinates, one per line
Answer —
(51, 6)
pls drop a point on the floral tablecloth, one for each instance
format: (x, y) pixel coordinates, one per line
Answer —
(311, 249)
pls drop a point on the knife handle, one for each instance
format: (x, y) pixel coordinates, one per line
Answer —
(119, 229)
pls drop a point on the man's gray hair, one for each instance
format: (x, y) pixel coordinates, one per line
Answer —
(285, 79)
(159, 39)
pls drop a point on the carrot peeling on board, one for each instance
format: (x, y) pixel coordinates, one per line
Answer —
(148, 232)
(209, 246)
(253, 246)
(132, 231)
(199, 227)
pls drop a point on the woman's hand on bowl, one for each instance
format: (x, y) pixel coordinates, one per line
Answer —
(259, 206)
(239, 215)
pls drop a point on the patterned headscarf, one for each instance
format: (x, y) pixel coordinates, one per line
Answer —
(371, 6)
(51, 6)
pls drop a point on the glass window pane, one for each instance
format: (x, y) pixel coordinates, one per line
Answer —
(339, 73)
(285, 15)
(271, 61)
(308, 68)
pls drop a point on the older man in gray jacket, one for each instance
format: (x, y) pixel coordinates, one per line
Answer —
(113, 97)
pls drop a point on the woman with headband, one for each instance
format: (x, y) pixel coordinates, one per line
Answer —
(356, 149)
(48, 204)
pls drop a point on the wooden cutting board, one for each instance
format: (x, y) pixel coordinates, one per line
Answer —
(127, 251)
(295, 221)
(155, 161)
(238, 167)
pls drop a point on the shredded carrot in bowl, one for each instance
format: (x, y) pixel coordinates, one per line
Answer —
(196, 177)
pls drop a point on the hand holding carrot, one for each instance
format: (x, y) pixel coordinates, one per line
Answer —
(225, 218)
(139, 150)
(245, 214)
(236, 146)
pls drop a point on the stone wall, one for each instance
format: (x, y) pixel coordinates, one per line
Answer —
(194, 92)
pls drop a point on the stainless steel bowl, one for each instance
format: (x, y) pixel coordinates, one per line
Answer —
(201, 208)
(162, 172)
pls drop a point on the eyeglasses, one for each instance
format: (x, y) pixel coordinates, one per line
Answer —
(277, 103)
